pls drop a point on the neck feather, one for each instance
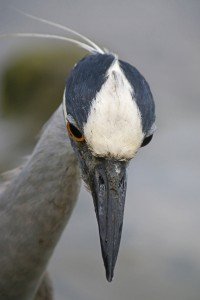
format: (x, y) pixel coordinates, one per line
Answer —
(34, 210)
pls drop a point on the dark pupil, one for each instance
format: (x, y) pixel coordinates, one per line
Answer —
(75, 131)
(147, 140)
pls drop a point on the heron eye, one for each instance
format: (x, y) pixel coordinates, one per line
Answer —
(75, 133)
(146, 140)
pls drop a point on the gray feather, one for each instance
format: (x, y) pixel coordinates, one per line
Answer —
(34, 209)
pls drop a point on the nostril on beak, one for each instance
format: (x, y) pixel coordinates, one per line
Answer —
(122, 182)
(101, 180)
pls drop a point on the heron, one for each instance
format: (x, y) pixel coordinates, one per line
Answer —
(107, 114)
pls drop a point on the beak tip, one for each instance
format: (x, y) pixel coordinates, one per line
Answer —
(109, 264)
(109, 276)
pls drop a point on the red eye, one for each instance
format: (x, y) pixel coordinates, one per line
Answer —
(75, 133)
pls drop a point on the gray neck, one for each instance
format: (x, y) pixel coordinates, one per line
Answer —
(34, 210)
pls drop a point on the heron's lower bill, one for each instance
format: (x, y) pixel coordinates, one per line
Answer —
(109, 191)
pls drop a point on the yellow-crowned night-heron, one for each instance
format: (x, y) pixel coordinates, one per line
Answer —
(107, 114)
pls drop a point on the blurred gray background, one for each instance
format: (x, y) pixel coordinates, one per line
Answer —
(159, 257)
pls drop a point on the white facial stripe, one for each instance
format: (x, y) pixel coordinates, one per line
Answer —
(64, 106)
(114, 126)
(152, 130)
(68, 117)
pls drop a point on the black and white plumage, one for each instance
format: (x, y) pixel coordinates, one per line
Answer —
(110, 104)
(107, 114)
(103, 95)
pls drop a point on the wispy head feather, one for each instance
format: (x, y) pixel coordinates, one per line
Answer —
(86, 43)
(49, 36)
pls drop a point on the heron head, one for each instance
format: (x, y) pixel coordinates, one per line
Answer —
(110, 114)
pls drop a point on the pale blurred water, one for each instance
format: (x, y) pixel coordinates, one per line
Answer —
(160, 250)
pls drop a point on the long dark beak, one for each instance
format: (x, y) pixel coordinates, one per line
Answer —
(109, 191)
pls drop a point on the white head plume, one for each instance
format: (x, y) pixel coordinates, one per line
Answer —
(88, 45)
